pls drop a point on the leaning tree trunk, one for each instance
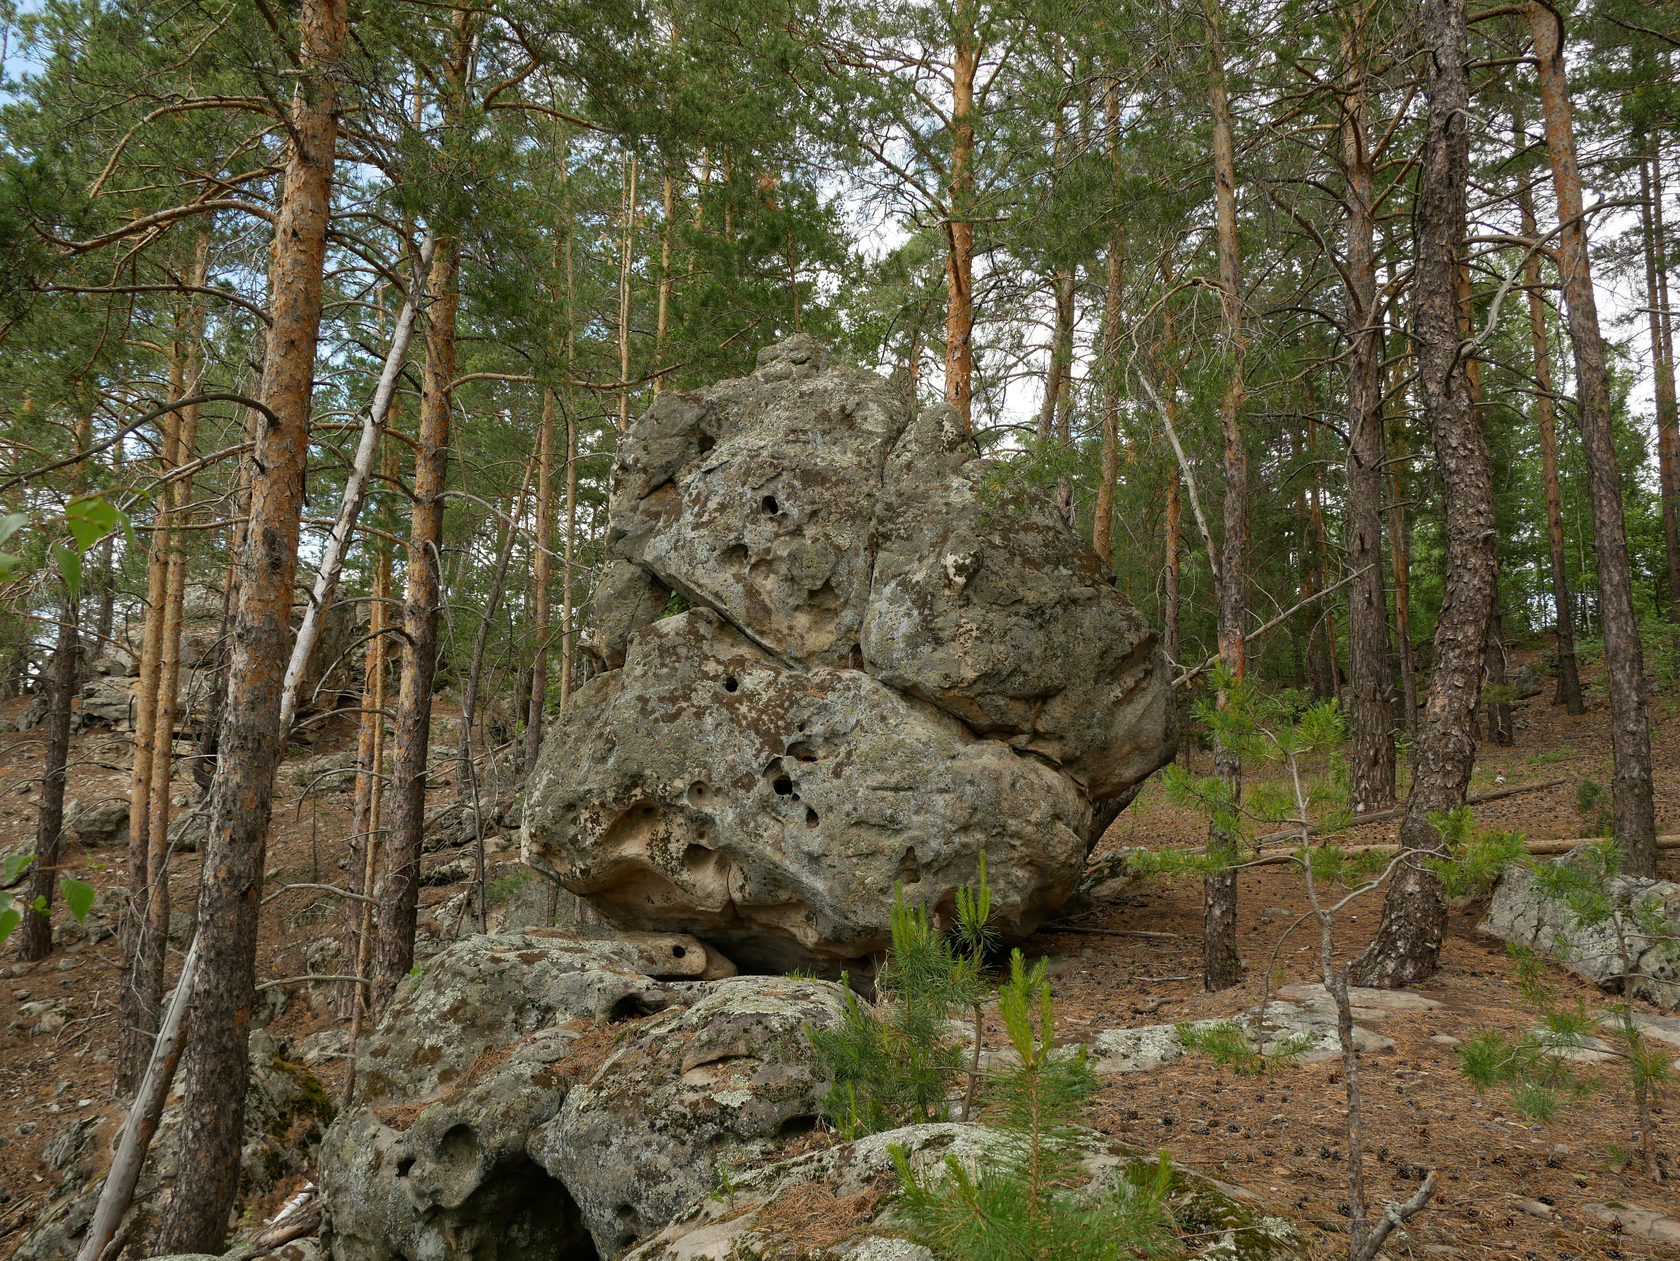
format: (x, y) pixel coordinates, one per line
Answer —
(399, 898)
(1408, 942)
(1370, 681)
(1102, 522)
(49, 826)
(1545, 420)
(251, 742)
(543, 537)
(1624, 660)
(1221, 961)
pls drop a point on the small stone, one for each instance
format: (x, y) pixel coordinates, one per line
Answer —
(1534, 1208)
(26, 1129)
(20, 995)
(1444, 1039)
(1276, 912)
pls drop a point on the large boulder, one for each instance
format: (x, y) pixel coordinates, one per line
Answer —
(895, 662)
(708, 789)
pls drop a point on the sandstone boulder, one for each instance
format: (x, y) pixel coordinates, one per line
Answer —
(895, 661)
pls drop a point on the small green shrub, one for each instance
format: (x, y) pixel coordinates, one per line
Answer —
(1026, 1205)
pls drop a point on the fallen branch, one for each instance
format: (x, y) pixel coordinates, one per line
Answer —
(1556, 845)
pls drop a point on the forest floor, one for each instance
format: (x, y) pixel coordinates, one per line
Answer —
(1280, 1135)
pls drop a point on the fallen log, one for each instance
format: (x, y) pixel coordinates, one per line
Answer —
(1387, 816)
(1554, 845)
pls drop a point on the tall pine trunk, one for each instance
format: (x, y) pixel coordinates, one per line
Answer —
(1221, 961)
(1408, 942)
(1102, 524)
(1370, 679)
(1624, 660)
(251, 743)
(411, 744)
(959, 260)
(1545, 420)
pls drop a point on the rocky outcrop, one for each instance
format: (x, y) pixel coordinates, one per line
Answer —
(893, 663)
(1648, 922)
(697, 1090)
(535, 1095)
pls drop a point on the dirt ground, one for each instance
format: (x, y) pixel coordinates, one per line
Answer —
(1280, 1135)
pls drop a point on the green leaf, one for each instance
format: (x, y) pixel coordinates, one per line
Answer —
(9, 919)
(14, 866)
(91, 519)
(70, 565)
(78, 896)
(11, 523)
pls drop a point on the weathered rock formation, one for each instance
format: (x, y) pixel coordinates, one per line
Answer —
(534, 1095)
(893, 663)
(1648, 922)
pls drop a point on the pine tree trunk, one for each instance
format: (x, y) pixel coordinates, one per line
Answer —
(1545, 418)
(400, 894)
(1662, 367)
(251, 742)
(36, 930)
(154, 933)
(1408, 942)
(1221, 960)
(1624, 659)
(959, 261)
(1102, 524)
(1370, 681)
(139, 1016)
(370, 763)
(538, 697)
(1400, 551)
(626, 264)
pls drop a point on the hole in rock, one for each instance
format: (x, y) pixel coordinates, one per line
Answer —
(697, 791)
(696, 858)
(519, 1212)
(803, 751)
(782, 784)
(459, 1147)
(679, 952)
(630, 1007)
(810, 817)
(731, 683)
(704, 443)
(629, 1225)
(909, 870)
(770, 506)
(802, 1124)
(404, 1166)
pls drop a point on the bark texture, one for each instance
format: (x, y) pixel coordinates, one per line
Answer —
(1408, 942)
(251, 741)
(36, 931)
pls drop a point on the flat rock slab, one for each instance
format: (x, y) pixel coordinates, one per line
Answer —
(1361, 996)
(1149, 1047)
(1630, 1219)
